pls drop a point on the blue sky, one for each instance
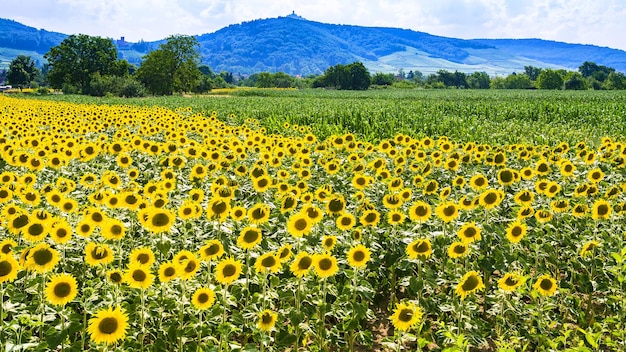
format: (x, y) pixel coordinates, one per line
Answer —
(598, 22)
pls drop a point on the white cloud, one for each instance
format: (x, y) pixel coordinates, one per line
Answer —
(598, 22)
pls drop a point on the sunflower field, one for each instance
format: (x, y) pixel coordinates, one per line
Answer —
(132, 228)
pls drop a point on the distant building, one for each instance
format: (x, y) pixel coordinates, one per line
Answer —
(122, 43)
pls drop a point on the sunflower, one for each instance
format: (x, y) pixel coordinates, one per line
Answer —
(551, 190)
(543, 216)
(98, 254)
(284, 253)
(218, 209)
(267, 320)
(142, 256)
(345, 221)
(545, 285)
(115, 276)
(360, 181)
(84, 228)
(17, 222)
(262, 184)
(249, 237)
(579, 210)
(431, 187)
(108, 325)
(470, 282)
(301, 264)
(490, 198)
(299, 225)
(313, 213)
(259, 214)
(358, 256)
(458, 250)
(420, 211)
(525, 212)
(395, 217)
(419, 249)
(595, 175)
(267, 263)
(237, 213)
(447, 211)
(168, 271)
(227, 271)
(35, 231)
(42, 258)
(336, 205)
(405, 316)
(203, 298)
(188, 268)
(325, 265)
(469, 232)
(138, 276)
(524, 197)
(392, 201)
(507, 177)
(588, 248)
(61, 289)
(113, 229)
(288, 203)
(9, 267)
(95, 217)
(212, 249)
(478, 182)
(329, 242)
(6, 246)
(516, 231)
(601, 209)
(559, 206)
(511, 281)
(157, 220)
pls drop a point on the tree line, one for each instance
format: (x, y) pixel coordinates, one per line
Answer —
(83, 64)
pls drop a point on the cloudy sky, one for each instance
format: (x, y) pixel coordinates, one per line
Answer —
(598, 22)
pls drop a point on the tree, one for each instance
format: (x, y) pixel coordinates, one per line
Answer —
(449, 79)
(532, 72)
(22, 71)
(78, 57)
(498, 83)
(478, 80)
(360, 78)
(616, 80)
(173, 67)
(383, 79)
(549, 79)
(515, 81)
(353, 76)
(591, 69)
(575, 81)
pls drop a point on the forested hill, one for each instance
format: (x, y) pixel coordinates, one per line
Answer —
(297, 46)
(15, 35)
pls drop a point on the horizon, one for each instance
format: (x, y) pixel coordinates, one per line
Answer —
(464, 19)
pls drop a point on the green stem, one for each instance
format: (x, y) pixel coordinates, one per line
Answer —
(181, 314)
(200, 331)
(141, 318)
(398, 341)
(224, 290)
(84, 329)
(62, 328)
(2, 314)
(42, 304)
(322, 318)
(297, 303)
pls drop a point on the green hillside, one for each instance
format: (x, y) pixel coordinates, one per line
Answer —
(297, 46)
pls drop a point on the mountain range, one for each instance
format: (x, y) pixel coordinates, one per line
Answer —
(297, 46)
